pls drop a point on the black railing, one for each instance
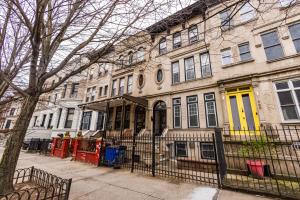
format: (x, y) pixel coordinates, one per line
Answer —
(87, 145)
(266, 161)
(39, 185)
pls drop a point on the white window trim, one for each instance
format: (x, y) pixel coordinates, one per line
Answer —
(292, 89)
(215, 112)
(231, 60)
(188, 116)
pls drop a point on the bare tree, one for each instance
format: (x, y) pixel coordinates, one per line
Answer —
(56, 33)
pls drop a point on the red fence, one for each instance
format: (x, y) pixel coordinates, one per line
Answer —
(60, 147)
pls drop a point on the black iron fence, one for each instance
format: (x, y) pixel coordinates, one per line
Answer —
(266, 161)
(262, 161)
(42, 146)
(38, 185)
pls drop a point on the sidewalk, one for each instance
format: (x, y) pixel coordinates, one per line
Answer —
(91, 182)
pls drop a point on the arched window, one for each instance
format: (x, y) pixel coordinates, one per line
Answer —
(130, 58)
(163, 46)
(140, 54)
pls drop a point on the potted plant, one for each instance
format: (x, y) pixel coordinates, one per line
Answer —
(254, 151)
(67, 134)
(79, 134)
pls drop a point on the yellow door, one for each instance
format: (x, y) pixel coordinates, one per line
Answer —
(242, 113)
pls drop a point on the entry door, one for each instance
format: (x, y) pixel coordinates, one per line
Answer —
(160, 118)
(242, 111)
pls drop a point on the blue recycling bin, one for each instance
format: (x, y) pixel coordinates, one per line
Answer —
(114, 155)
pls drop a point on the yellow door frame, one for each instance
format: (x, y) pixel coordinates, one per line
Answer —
(238, 92)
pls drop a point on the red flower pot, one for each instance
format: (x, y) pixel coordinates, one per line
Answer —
(256, 168)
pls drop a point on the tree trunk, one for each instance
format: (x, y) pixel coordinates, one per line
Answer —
(3, 88)
(14, 143)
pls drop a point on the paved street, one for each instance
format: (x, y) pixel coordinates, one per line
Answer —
(91, 182)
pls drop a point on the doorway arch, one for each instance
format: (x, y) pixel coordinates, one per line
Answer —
(159, 117)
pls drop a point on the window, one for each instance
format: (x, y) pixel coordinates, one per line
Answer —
(93, 94)
(34, 121)
(205, 65)
(162, 46)
(7, 125)
(88, 94)
(193, 118)
(129, 84)
(289, 98)
(121, 86)
(55, 98)
(247, 12)
(159, 75)
(176, 40)
(295, 33)
(140, 54)
(226, 56)
(127, 117)
(43, 121)
(189, 68)
(59, 116)
(86, 120)
(207, 150)
(272, 45)
(63, 95)
(226, 19)
(74, 90)
(130, 58)
(121, 61)
(50, 120)
(100, 91)
(193, 34)
(285, 3)
(141, 80)
(118, 118)
(244, 51)
(101, 121)
(210, 109)
(175, 72)
(105, 90)
(91, 74)
(69, 118)
(177, 113)
(114, 88)
(12, 112)
(181, 149)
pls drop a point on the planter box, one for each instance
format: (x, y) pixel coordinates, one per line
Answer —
(60, 147)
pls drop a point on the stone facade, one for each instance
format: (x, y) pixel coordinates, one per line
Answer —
(193, 75)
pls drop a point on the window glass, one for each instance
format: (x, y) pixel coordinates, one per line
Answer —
(181, 149)
(226, 19)
(177, 113)
(226, 56)
(244, 51)
(285, 3)
(189, 68)
(247, 12)
(207, 150)
(141, 54)
(122, 86)
(210, 108)
(163, 46)
(114, 88)
(193, 34)
(175, 72)
(118, 118)
(129, 84)
(272, 45)
(295, 33)
(289, 96)
(69, 118)
(86, 120)
(159, 75)
(205, 65)
(176, 40)
(193, 120)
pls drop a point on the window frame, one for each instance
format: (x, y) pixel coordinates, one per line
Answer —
(271, 46)
(185, 71)
(177, 44)
(247, 12)
(201, 151)
(188, 111)
(89, 117)
(172, 66)
(294, 98)
(222, 57)
(191, 28)
(205, 106)
(121, 88)
(286, 5)
(67, 116)
(201, 67)
(230, 23)
(243, 53)
(129, 84)
(295, 39)
(176, 148)
(74, 90)
(164, 50)
(114, 88)
(175, 105)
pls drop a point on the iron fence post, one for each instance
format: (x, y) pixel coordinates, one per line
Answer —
(68, 189)
(31, 173)
(220, 156)
(133, 152)
(153, 154)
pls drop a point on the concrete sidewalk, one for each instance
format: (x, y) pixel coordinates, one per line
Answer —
(91, 182)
